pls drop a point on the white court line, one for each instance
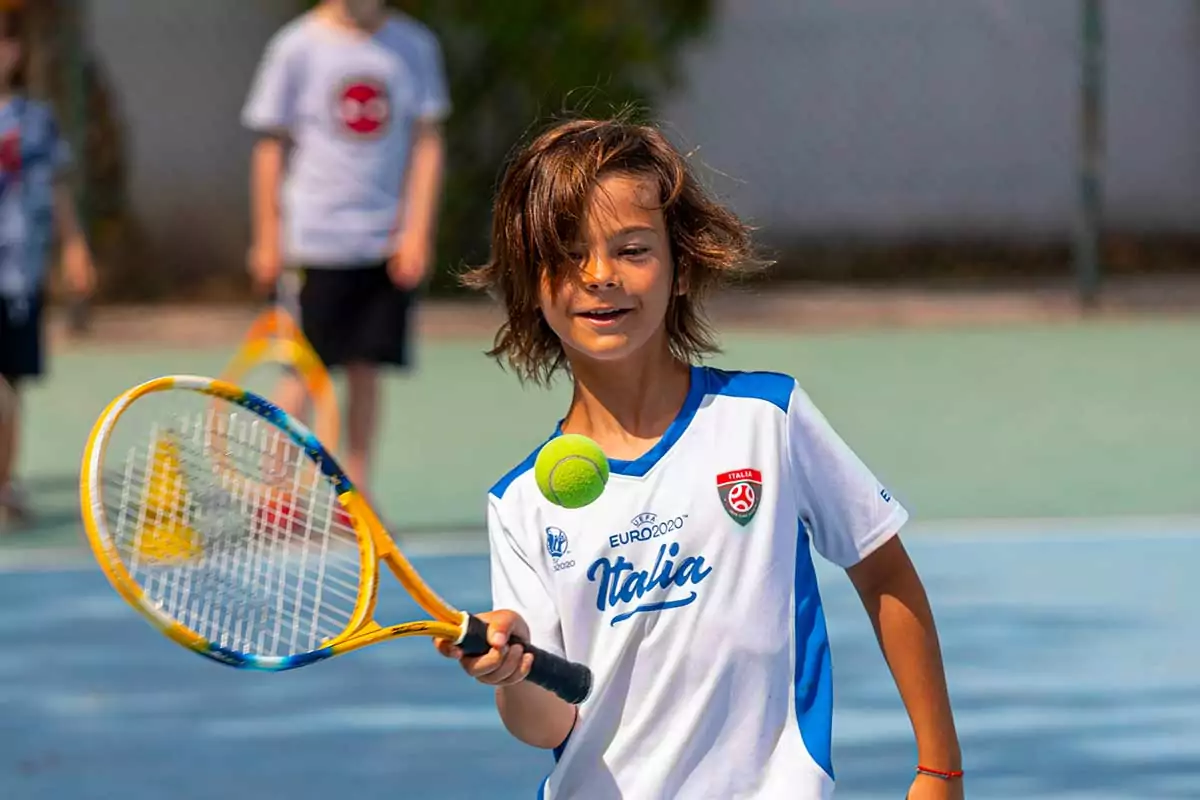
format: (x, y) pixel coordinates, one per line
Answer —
(1081, 529)
(468, 542)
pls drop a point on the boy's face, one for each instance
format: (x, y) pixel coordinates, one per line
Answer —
(616, 302)
(10, 49)
(10, 58)
(364, 12)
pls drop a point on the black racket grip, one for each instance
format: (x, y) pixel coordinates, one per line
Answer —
(570, 681)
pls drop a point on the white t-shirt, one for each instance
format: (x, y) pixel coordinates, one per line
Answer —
(688, 587)
(348, 102)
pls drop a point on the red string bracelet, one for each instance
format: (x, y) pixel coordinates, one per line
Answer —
(937, 773)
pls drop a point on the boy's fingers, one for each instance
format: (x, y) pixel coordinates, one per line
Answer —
(484, 665)
(447, 648)
(498, 666)
(515, 668)
(508, 664)
(507, 669)
(498, 632)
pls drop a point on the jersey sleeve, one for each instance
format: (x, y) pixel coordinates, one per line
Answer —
(433, 94)
(517, 584)
(847, 511)
(271, 104)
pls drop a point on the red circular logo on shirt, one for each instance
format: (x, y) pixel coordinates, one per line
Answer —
(364, 106)
(741, 498)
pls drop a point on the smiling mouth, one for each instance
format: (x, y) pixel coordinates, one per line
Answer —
(605, 315)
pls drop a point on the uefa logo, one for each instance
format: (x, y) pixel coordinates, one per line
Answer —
(556, 543)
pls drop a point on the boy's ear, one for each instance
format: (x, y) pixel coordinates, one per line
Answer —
(682, 281)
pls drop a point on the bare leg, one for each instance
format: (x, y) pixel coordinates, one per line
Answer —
(362, 421)
(9, 411)
(12, 506)
(292, 397)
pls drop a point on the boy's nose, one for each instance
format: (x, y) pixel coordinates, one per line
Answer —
(599, 274)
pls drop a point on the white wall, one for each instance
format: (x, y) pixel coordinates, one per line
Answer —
(181, 70)
(891, 116)
(855, 116)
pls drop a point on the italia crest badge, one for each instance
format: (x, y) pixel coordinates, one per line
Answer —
(740, 491)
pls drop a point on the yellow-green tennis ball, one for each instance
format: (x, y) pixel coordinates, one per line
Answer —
(571, 470)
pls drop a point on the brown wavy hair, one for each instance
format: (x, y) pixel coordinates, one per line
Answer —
(542, 202)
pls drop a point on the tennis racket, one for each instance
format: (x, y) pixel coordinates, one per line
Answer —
(276, 339)
(231, 528)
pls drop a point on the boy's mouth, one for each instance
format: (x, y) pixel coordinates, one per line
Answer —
(604, 314)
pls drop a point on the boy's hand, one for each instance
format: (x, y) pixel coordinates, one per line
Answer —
(927, 787)
(265, 263)
(409, 264)
(78, 270)
(503, 665)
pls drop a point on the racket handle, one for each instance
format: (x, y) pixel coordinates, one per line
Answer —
(570, 681)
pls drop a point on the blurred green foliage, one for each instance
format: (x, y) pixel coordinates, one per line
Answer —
(512, 65)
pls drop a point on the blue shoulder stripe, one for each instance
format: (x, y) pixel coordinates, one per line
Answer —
(502, 485)
(772, 387)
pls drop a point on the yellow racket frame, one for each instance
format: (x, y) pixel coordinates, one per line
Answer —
(374, 543)
(275, 337)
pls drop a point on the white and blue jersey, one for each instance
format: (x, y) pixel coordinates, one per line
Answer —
(348, 102)
(689, 589)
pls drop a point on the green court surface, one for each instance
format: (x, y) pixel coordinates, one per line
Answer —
(1076, 420)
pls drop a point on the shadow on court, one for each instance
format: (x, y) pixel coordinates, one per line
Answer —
(1071, 663)
(55, 507)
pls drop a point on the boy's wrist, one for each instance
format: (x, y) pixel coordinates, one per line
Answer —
(940, 759)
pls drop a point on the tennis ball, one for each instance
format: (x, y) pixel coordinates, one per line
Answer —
(571, 470)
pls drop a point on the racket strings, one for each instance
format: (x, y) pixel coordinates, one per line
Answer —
(231, 529)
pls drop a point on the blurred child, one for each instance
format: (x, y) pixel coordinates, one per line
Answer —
(35, 202)
(346, 178)
(689, 585)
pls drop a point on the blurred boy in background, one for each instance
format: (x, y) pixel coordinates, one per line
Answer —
(345, 182)
(35, 203)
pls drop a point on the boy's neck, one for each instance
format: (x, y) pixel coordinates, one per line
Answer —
(334, 13)
(627, 406)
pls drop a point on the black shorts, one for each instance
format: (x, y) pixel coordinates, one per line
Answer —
(352, 314)
(21, 338)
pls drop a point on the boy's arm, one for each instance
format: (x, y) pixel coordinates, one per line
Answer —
(266, 178)
(417, 222)
(270, 112)
(895, 600)
(853, 520)
(525, 608)
(418, 209)
(530, 713)
(78, 269)
(535, 716)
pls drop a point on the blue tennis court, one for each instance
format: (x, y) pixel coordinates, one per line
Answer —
(1072, 657)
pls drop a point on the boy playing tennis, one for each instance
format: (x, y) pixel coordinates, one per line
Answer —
(688, 586)
(35, 203)
(346, 176)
